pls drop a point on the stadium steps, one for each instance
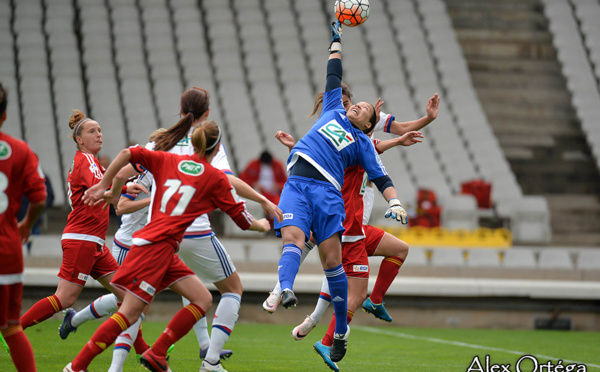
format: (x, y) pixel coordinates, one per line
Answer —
(521, 88)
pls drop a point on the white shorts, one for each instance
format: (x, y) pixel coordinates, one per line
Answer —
(206, 257)
(119, 251)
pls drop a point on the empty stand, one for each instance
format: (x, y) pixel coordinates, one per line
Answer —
(519, 258)
(447, 257)
(483, 258)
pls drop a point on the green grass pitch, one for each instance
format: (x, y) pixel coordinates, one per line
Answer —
(268, 347)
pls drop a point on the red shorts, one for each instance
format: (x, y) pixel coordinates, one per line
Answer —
(148, 269)
(82, 259)
(355, 255)
(10, 304)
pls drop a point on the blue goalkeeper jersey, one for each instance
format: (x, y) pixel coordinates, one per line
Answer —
(333, 144)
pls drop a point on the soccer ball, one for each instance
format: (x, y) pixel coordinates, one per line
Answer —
(352, 12)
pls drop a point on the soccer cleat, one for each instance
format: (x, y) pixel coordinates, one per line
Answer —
(323, 351)
(153, 362)
(69, 368)
(338, 348)
(378, 310)
(66, 327)
(270, 304)
(288, 299)
(223, 355)
(206, 367)
(303, 329)
(4, 344)
(138, 357)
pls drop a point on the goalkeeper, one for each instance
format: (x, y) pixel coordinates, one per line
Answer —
(311, 198)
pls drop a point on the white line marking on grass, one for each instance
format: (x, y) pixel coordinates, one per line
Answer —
(464, 344)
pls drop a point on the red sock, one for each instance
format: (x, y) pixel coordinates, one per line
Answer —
(140, 344)
(328, 338)
(20, 348)
(40, 311)
(387, 273)
(178, 327)
(104, 336)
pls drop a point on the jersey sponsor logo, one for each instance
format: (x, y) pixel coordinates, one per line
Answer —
(360, 268)
(5, 150)
(82, 276)
(144, 286)
(363, 186)
(336, 135)
(190, 167)
(288, 216)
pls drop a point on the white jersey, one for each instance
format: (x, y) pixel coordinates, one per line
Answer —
(201, 225)
(132, 222)
(383, 125)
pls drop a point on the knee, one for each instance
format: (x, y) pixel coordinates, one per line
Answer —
(66, 300)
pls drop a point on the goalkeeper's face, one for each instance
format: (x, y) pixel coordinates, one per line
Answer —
(360, 115)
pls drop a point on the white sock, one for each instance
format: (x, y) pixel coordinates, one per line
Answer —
(322, 303)
(200, 329)
(123, 345)
(225, 317)
(308, 246)
(102, 306)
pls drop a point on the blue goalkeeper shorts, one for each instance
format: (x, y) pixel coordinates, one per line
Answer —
(311, 205)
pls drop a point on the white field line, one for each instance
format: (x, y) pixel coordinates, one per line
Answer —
(464, 344)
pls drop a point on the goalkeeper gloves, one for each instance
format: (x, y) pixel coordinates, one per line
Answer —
(396, 211)
(336, 38)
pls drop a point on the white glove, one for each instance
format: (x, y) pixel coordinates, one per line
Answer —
(396, 211)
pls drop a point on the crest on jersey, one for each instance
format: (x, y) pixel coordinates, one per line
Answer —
(336, 135)
(5, 150)
(190, 167)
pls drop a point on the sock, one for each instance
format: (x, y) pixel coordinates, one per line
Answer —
(102, 306)
(328, 338)
(387, 273)
(181, 324)
(200, 329)
(123, 346)
(338, 287)
(139, 344)
(289, 264)
(322, 303)
(20, 348)
(308, 246)
(104, 336)
(224, 320)
(40, 311)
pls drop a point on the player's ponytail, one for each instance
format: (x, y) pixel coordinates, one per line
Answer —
(194, 104)
(319, 99)
(206, 138)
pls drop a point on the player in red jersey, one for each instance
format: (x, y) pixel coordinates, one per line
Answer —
(84, 251)
(186, 186)
(19, 174)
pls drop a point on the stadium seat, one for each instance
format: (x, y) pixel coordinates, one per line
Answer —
(519, 258)
(555, 258)
(483, 258)
(459, 212)
(588, 259)
(447, 257)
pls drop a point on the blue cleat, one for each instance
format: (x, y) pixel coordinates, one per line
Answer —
(224, 354)
(66, 327)
(378, 310)
(324, 351)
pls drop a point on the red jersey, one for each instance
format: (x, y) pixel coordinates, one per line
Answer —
(19, 175)
(353, 189)
(85, 222)
(186, 187)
